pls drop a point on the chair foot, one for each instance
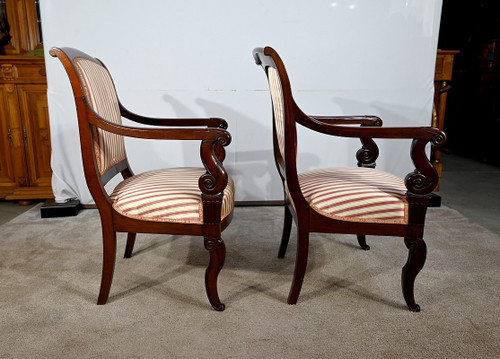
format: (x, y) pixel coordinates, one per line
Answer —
(217, 251)
(108, 264)
(416, 308)
(300, 266)
(130, 245)
(362, 242)
(220, 308)
(287, 228)
(416, 259)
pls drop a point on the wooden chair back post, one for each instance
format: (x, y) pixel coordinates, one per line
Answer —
(285, 114)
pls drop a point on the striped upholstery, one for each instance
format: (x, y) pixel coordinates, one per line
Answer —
(170, 195)
(101, 94)
(356, 194)
(278, 107)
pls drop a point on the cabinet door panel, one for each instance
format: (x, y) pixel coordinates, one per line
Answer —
(12, 156)
(34, 111)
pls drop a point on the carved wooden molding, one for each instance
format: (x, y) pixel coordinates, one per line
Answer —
(9, 72)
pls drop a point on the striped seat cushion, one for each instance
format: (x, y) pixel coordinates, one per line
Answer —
(356, 194)
(170, 195)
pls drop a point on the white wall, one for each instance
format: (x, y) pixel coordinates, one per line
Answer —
(193, 58)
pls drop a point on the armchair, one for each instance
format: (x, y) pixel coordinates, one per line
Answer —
(188, 201)
(358, 200)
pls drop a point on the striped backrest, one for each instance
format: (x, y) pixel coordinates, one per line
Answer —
(278, 107)
(101, 95)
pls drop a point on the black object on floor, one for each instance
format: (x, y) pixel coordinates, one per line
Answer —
(51, 208)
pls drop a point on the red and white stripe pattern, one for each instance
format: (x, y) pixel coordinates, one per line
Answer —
(278, 107)
(101, 94)
(356, 194)
(170, 195)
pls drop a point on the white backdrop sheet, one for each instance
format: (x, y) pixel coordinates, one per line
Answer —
(193, 58)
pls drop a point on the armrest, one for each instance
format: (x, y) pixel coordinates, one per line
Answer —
(219, 134)
(209, 122)
(422, 180)
(368, 153)
(349, 120)
(212, 153)
(429, 133)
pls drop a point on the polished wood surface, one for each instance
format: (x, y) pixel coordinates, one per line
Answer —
(25, 172)
(23, 28)
(24, 123)
(212, 136)
(420, 182)
(442, 79)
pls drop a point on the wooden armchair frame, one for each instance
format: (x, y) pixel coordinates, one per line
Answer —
(212, 134)
(419, 183)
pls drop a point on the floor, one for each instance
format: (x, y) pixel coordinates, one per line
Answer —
(473, 189)
(10, 210)
(470, 187)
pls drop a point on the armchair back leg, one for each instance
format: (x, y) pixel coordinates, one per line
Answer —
(362, 242)
(287, 228)
(130, 245)
(108, 261)
(300, 263)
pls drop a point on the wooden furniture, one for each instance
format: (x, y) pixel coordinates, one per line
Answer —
(442, 78)
(187, 201)
(25, 171)
(359, 200)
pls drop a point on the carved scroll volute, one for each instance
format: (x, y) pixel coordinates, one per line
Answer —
(425, 178)
(368, 154)
(222, 124)
(212, 154)
(219, 152)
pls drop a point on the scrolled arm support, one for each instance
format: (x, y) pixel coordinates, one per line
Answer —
(424, 178)
(214, 181)
(368, 153)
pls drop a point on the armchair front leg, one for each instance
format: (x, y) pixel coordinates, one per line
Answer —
(420, 183)
(215, 245)
(212, 185)
(417, 252)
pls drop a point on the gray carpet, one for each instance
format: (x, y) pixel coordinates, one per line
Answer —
(351, 304)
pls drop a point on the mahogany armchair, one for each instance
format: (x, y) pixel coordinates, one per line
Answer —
(358, 200)
(187, 201)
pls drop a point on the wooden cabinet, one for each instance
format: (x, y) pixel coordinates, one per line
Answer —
(25, 171)
(442, 78)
